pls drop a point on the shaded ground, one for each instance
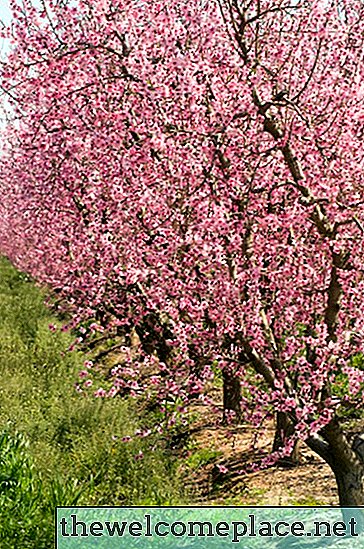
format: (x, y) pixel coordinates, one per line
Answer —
(214, 448)
(211, 448)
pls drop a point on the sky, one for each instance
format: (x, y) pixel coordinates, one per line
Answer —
(4, 11)
(5, 16)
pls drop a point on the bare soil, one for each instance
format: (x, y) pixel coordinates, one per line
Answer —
(236, 448)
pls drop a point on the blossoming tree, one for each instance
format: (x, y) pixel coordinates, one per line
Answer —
(193, 169)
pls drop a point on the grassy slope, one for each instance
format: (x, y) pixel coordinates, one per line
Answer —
(56, 446)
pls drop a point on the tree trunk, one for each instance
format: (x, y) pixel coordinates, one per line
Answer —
(351, 494)
(284, 430)
(347, 465)
(349, 484)
(231, 395)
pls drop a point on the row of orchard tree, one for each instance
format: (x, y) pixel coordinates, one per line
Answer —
(192, 171)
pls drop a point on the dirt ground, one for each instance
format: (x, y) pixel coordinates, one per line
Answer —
(236, 448)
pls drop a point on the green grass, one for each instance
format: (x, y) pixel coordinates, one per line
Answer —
(308, 502)
(202, 457)
(58, 447)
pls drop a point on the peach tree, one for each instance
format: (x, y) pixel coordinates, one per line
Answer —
(192, 170)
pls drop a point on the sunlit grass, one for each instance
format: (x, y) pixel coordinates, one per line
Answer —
(58, 447)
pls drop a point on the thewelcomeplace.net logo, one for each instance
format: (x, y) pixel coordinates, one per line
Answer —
(209, 527)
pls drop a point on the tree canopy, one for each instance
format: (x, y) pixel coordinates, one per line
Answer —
(193, 169)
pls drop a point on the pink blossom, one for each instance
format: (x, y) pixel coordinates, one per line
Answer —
(100, 392)
(222, 468)
(199, 200)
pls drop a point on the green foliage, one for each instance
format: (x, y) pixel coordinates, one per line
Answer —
(58, 447)
(22, 523)
(307, 502)
(341, 389)
(357, 361)
(202, 457)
